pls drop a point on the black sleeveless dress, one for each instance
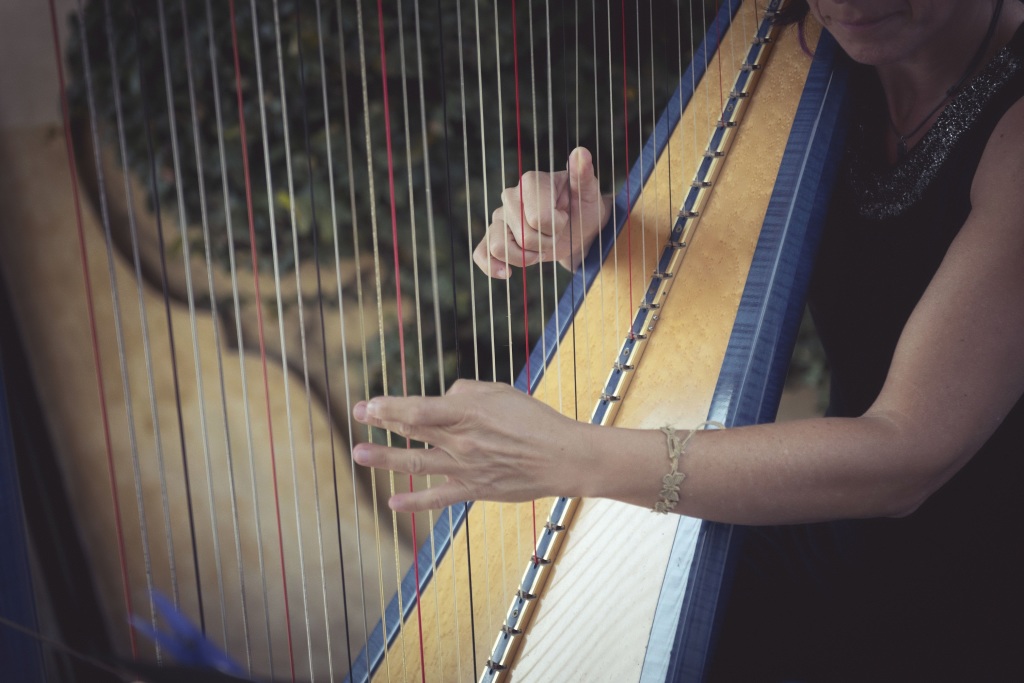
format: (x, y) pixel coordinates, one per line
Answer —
(938, 595)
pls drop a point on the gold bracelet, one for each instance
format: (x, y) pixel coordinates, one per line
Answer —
(671, 482)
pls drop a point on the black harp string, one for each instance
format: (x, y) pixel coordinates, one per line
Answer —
(184, 241)
(354, 217)
(304, 106)
(302, 332)
(320, 295)
(439, 346)
(200, 175)
(165, 289)
(471, 273)
(293, 450)
(475, 347)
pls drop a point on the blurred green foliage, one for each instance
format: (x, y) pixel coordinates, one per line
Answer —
(321, 146)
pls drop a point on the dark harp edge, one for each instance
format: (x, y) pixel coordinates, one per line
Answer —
(372, 655)
(42, 587)
(750, 384)
(21, 654)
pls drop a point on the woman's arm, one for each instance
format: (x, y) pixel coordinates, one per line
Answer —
(957, 370)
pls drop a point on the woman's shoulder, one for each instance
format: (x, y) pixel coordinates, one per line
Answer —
(1000, 172)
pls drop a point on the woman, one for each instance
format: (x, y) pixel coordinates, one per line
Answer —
(918, 297)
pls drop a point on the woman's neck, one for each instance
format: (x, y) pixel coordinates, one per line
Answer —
(918, 86)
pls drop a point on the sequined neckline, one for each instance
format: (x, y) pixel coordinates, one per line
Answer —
(881, 190)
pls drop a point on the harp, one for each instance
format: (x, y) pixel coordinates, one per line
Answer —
(647, 585)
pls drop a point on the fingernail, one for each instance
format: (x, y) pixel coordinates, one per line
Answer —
(359, 411)
(500, 271)
(360, 454)
(372, 408)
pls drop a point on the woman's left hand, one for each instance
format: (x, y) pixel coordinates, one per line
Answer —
(490, 442)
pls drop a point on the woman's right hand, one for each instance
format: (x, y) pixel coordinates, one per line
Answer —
(546, 217)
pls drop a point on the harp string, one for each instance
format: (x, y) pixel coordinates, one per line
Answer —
(118, 328)
(243, 375)
(260, 327)
(640, 117)
(653, 109)
(235, 519)
(532, 52)
(186, 474)
(323, 348)
(342, 331)
(551, 191)
(469, 258)
(522, 223)
(91, 314)
(354, 217)
(401, 325)
(292, 204)
(436, 298)
(597, 164)
(279, 300)
(458, 345)
(320, 301)
(575, 127)
(215, 319)
(467, 234)
(216, 326)
(280, 306)
(508, 281)
(626, 158)
(380, 324)
(417, 309)
(506, 233)
(58, 646)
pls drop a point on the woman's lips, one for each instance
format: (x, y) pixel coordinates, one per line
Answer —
(862, 24)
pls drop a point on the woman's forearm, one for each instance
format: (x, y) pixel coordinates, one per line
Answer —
(803, 471)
